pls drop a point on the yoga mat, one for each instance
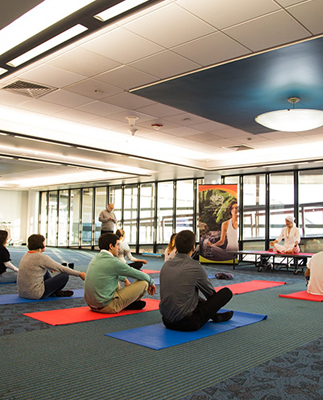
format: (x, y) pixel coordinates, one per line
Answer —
(158, 337)
(15, 299)
(84, 314)
(149, 271)
(303, 295)
(251, 286)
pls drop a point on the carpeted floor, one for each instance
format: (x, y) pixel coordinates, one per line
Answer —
(279, 358)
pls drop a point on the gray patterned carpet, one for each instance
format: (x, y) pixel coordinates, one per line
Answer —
(279, 358)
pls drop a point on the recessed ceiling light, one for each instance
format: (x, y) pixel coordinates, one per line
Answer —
(118, 9)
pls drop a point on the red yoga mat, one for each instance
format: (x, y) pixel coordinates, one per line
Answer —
(303, 295)
(149, 271)
(251, 286)
(82, 314)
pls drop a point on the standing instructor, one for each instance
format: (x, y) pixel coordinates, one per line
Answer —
(108, 219)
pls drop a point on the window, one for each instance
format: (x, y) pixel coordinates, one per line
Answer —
(75, 205)
(63, 218)
(87, 206)
(115, 197)
(100, 205)
(165, 211)
(43, 214)
(130, 214)
(281, 201)
(311, 203)
(184, 205)
(147, 213)
(52, 219)
(254, 206)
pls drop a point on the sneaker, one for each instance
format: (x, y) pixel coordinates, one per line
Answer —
(136, 305)
(64, 293)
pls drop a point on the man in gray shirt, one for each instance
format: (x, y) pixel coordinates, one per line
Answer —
(181, 281)
(108, 219)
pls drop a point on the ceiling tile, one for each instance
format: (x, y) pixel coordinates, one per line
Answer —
(122, 46)
(157, 110)
(165, 64)
(182, 131)
(128, 100)
(286, 3)
(126, 77)
(75, 115)
(170, 26)
(42, 107)
(211, 49)
(203, 137)
(84, 62)
(93, 88)
(48, 75)
(67, 99)
(106, 123)
(269, 31)
(8, 98)
(100, 108)
(310, 14)
(224, 13)
(186, 119)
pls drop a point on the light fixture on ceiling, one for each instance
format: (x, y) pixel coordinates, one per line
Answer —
(291, 120)
(132, 122)
(157, 126)
(39, 18)
(118, 9)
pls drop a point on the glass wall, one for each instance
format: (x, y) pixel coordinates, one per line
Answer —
(147, 213)
(130, 214)
(165, 211)
(100, 205)
(281, 201)
(63, 218)
(52, 219)
(75, 217)
(254, 206)
(151, 212)
(184, 205)
(311, 202)
(87, 210)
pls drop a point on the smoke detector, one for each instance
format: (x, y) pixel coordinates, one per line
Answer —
(132, 124)
(156, 126)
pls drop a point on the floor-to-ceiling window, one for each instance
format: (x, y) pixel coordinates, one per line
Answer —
(165, 211)
(75, 217)
(63, 218)
(100, 205)
(87, 211)
(130, 214)
(115, 197)
(52, 219)
(281, 200)
(147, 215)
(184, 205)
(43, 214)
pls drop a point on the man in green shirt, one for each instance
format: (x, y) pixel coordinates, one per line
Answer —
(102, 289)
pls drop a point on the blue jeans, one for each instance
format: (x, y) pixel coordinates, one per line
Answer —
(53, 284)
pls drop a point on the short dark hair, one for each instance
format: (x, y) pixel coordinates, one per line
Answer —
(120, 233)
(3, 236)
(106, 239)
(35, 242)
(185, 241)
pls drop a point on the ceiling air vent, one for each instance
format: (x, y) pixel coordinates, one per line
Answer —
(29, 89)
(238, 147)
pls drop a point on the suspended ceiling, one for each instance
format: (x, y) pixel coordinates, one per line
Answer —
(200, 70)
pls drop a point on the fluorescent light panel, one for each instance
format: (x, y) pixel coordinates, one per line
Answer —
(51, 43)
(3, 71)
(46, 14)
(118, 9)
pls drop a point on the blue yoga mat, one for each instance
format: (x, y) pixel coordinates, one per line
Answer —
(158, 337)
(15, 299)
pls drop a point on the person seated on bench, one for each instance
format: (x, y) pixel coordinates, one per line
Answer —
(314, 274)
(124, 251)
(102, 290)
(291, 237)
(181, 281)
(10, 276)
(34, 280)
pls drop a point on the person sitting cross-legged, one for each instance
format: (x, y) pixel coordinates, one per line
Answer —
(102, 289)
(181, 281)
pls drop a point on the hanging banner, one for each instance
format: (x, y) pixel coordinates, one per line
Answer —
(218, 223)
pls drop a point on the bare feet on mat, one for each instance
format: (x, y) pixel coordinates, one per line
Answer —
(222, 317)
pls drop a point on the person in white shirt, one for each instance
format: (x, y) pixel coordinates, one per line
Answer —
(291, 237)
(124, 251)
(314, 273)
